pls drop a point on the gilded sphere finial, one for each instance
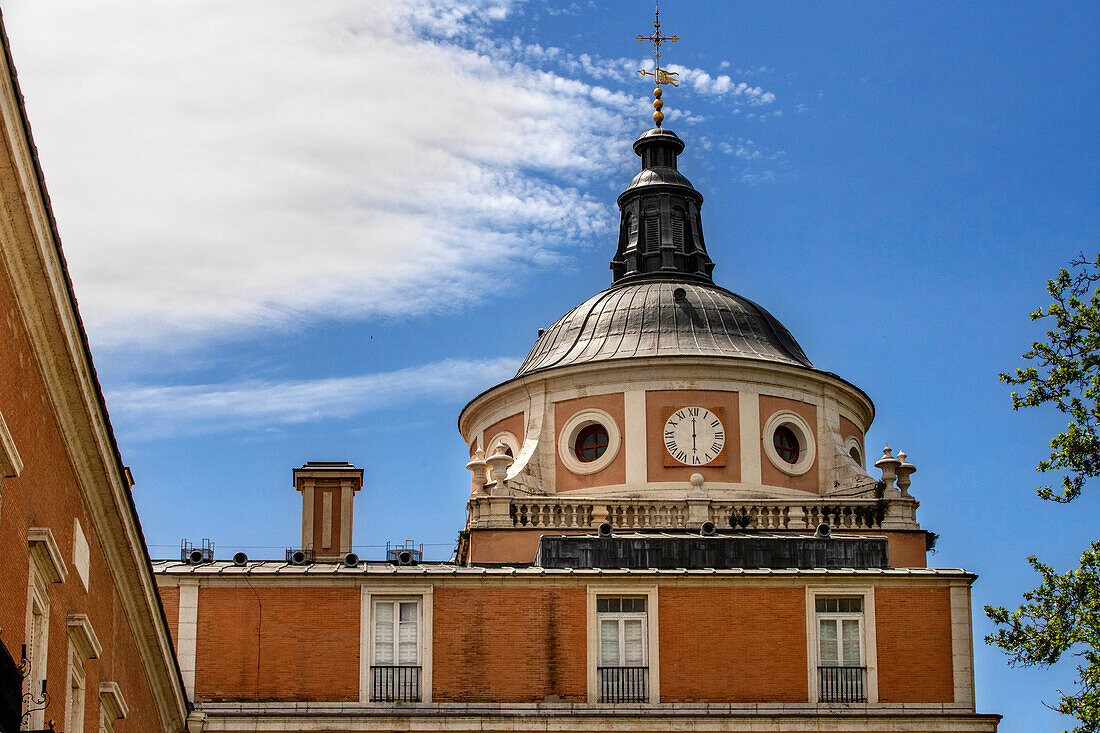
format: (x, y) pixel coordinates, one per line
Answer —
(658, 104)
(658, 117)
(657, 92)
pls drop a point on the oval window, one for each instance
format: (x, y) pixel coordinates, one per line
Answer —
(591, 443)
(786, 444)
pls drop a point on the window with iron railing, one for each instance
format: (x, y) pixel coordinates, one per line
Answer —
(841, 671)
(623, 671)
(395, 659)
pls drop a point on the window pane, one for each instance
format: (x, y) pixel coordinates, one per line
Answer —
(603, 605)
(383, 633)
(408, 612)
(609, 643)
(633, 642)
(850, 633)
(826, 635)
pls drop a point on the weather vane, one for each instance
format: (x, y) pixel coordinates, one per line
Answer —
(660, 76)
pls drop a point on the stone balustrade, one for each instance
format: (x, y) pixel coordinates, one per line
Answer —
(550, 512)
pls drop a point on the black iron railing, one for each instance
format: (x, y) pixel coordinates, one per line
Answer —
(624, 684)
(395, 683)
(841, 684)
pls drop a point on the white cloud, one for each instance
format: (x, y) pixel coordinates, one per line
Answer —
(151, 412)
(215, 165)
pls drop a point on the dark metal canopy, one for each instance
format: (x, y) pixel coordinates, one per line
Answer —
(655, 317)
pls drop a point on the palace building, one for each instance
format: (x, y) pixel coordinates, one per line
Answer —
(671, 525)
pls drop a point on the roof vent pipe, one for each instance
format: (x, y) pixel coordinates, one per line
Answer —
(604, 529)
(824, 531)
(240, 559)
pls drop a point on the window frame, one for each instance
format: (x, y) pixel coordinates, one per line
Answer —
(77, 680)
(652, 640)
(38, 648)
(868, 643)
(369, 596)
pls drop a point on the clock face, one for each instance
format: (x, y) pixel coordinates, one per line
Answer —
(694, 435)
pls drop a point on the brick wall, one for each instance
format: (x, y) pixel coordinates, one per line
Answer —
(914, 645)
(278, 643)
(496, 644)
(733, 644)
(46, 494)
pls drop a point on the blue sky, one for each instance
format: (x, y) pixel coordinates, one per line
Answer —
(314, 230)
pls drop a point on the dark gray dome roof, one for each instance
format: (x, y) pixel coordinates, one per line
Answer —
(645, 319)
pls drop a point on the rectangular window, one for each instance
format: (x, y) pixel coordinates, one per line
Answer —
(75, 704)
(652, 233)
(840, 655)
(678, 231)
(37, 645)
(624, 654)
(395, 658)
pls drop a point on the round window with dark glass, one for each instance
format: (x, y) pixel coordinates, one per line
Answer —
(591, 443)
(786, 444)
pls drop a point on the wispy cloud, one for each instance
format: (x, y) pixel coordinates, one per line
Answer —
(152, 412)
(221, 166)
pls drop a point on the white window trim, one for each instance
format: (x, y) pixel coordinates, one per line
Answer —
(83, 636)
(38, 603)
(870, 646)
(112, 703)
(567, 438)
(74, 717)
(652, 642)
(370, 594)
(802, 430)
(46, 555)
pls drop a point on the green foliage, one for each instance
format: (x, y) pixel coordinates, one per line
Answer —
(930, 540)
(740, 518)
(1065, 373)
(1061, 616)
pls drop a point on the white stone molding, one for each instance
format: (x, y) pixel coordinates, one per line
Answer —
(187, 640)
(567, 436)
(11, 465)
(505, 438)
(748, 408)
(83, 636)
(46, 556)
(112, 702)
(368, 595)
(854, 442)
(869, 640)
(634, 413)
(962, 645)
(802, 431)
(595, 590)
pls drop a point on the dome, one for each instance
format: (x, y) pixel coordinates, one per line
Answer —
(648, 319)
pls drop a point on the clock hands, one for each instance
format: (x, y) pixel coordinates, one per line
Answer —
(693, 448)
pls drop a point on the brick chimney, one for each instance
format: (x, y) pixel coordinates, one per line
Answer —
(328, 488)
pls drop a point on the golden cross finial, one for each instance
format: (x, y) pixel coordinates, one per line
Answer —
(660, 76)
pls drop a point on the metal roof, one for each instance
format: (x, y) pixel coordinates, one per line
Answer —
(647, 319)
(226, 568)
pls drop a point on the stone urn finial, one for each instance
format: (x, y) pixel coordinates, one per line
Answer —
(888, 465)
(697, 485)
(499, 463)
(479, 470)
(904, 470)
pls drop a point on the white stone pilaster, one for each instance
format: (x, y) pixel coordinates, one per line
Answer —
(748, 405)
(962, 645)
(635, 437)
(188, 633)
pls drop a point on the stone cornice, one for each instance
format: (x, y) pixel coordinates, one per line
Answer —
(728, 370)
(32, 256)
(46, 555)
(83, 636)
